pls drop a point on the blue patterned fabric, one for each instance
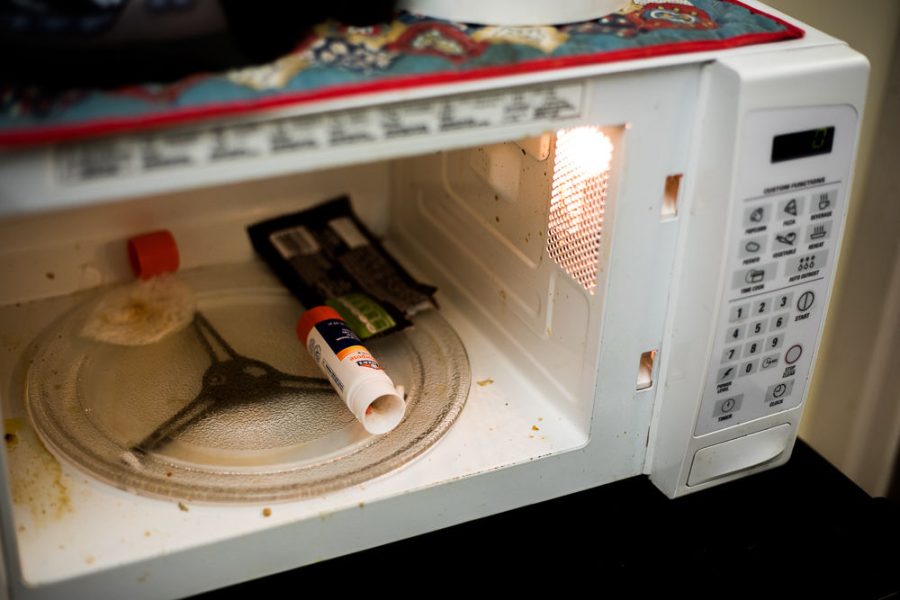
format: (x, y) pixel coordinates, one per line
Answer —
(353, 59)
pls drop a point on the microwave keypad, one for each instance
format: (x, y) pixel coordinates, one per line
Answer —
(781, 258)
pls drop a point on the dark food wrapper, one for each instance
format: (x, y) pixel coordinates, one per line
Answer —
(325, 255)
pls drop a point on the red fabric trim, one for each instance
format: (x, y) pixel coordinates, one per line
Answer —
(793, 29)
(59, 133)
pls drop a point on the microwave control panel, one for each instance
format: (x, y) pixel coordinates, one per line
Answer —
(782, 242)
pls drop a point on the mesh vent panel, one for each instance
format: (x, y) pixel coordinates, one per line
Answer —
(577, 201)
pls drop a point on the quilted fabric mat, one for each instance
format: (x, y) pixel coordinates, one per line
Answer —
(334, 60)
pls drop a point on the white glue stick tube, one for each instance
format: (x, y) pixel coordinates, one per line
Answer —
(352, 370)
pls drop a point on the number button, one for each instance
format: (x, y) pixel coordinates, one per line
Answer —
(761, 307)
(757, 327)
(774, 342)
(738, 313)
(779, 322)
(734, 334)
(752, 349)
(783, 301)
(748, 368)
(731, 354)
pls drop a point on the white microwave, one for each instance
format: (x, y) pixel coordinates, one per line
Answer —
(633, 279)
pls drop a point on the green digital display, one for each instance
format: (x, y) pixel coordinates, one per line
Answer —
(802, 144)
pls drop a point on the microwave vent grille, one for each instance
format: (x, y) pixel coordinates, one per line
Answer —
(578, 200)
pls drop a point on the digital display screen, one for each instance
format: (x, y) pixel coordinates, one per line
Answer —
(802, 144)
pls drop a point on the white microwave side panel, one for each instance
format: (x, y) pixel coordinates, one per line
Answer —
(744, 93)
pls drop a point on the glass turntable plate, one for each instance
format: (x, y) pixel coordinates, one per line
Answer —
(230, 408)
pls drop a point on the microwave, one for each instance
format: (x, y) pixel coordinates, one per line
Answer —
(634, 262)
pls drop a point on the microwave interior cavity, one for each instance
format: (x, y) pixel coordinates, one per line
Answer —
(516, 236)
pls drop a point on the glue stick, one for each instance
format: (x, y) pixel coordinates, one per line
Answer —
(352, 370)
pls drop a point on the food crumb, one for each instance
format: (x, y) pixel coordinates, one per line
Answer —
(168, 473)
(484, 382)
(267, 512)
(361, 504)
(21, 528)
(147, 534)
(540, 418)
(535, 428)
(183, 507)
(89, 559)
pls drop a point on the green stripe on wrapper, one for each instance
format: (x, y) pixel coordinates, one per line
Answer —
(364, 315)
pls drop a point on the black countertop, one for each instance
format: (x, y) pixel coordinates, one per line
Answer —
(802, 530)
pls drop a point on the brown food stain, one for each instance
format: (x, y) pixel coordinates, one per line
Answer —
(535, 428)
(183, 507)
(36, 477)
(267, 512)
(50, 275)
(361, 504)
(147, 534)
(484, 382)
(89, 559)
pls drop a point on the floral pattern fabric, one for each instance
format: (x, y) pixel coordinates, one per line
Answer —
(334, 59)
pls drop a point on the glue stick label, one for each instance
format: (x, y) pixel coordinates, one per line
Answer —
(355, 374)
(345, 344)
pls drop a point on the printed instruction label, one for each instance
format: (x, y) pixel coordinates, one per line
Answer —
(161, 152)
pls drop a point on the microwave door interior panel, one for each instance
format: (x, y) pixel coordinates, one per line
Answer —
(633, 280)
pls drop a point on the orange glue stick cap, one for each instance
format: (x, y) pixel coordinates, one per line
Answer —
(313, 316)
(153, 254)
